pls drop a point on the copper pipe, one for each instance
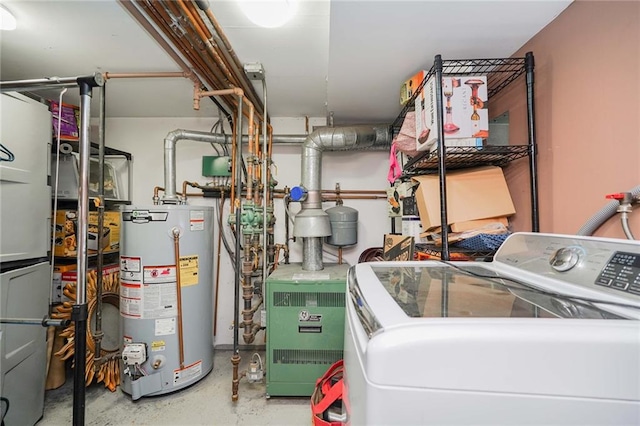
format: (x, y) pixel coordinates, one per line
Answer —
(198, 94)
(251, 152)
(342, 191)
(354, 191)
(176, 248)
(340, 255)
(233, 169)
(189, 41)
(138, 16)
(327, 198)
(234, 91)
(108, 75)
(159, 18)
(252, 137)
(234, 60)
(353, 197)
(184, 188)
(236, 76)
(164, 20)
(197, 26)
(156, 189)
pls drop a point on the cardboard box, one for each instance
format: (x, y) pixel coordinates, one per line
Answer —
(479, 223)
(112, 222)
(472, 194)
(408, 87)
(464, 114)
(66, 228)
(397, 247)
(56, 283)
(68, 118)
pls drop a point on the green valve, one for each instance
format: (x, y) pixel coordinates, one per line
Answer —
(213, 166)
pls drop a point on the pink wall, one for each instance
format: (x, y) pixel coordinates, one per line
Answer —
(587, 95)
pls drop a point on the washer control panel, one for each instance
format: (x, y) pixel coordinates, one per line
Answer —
(605, 265)
(622, 272)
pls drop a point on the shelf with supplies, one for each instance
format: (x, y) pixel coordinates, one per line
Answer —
(443, 143)
(75, 145)
(464, 156)
(65, 179)
(117, 173)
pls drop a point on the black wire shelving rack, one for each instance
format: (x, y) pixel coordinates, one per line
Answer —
(500, 72)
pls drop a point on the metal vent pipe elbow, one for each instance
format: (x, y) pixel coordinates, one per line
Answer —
(170, 141)
(312, 223)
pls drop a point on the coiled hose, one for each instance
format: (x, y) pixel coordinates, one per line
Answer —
(604, 214)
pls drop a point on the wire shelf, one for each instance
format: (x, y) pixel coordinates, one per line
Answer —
(464, 156)
(500, 73)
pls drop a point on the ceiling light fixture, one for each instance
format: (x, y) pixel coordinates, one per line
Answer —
(269, 13)
(7, 20)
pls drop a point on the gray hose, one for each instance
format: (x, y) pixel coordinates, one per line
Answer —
(604, 214)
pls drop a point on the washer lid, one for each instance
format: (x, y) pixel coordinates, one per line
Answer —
(473, 291)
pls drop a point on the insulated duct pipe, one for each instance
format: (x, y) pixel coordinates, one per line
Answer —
(604, 214)
(312, 223)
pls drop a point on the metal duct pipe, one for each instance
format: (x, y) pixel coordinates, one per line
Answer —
(176, 135)
(337, 139)
(312, 223)
(170, 141)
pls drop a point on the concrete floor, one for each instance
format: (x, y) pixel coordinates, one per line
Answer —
(207, 402)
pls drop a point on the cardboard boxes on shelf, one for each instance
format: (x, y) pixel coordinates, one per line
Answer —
(409, 87)
(472, 194)
(466, 120)
(68, 116)
(66, 228)
(56, 283)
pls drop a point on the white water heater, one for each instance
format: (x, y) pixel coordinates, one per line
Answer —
(166, 306)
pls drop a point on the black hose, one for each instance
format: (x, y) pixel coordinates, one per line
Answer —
(4, 412)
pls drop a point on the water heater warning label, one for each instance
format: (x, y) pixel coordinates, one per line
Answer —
(196, 220)
(130, 299)
(159, 294)
(188, 270)
(187, 374)
(130, 268)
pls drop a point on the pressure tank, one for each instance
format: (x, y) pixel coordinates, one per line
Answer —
(344, 226)
(166, 309)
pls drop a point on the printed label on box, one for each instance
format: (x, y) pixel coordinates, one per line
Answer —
(464, 112)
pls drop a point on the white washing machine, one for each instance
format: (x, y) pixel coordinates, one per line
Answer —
(546, 333)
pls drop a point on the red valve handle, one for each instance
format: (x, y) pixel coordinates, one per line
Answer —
(615, 196)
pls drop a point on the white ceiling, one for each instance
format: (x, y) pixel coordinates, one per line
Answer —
(348, 57)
